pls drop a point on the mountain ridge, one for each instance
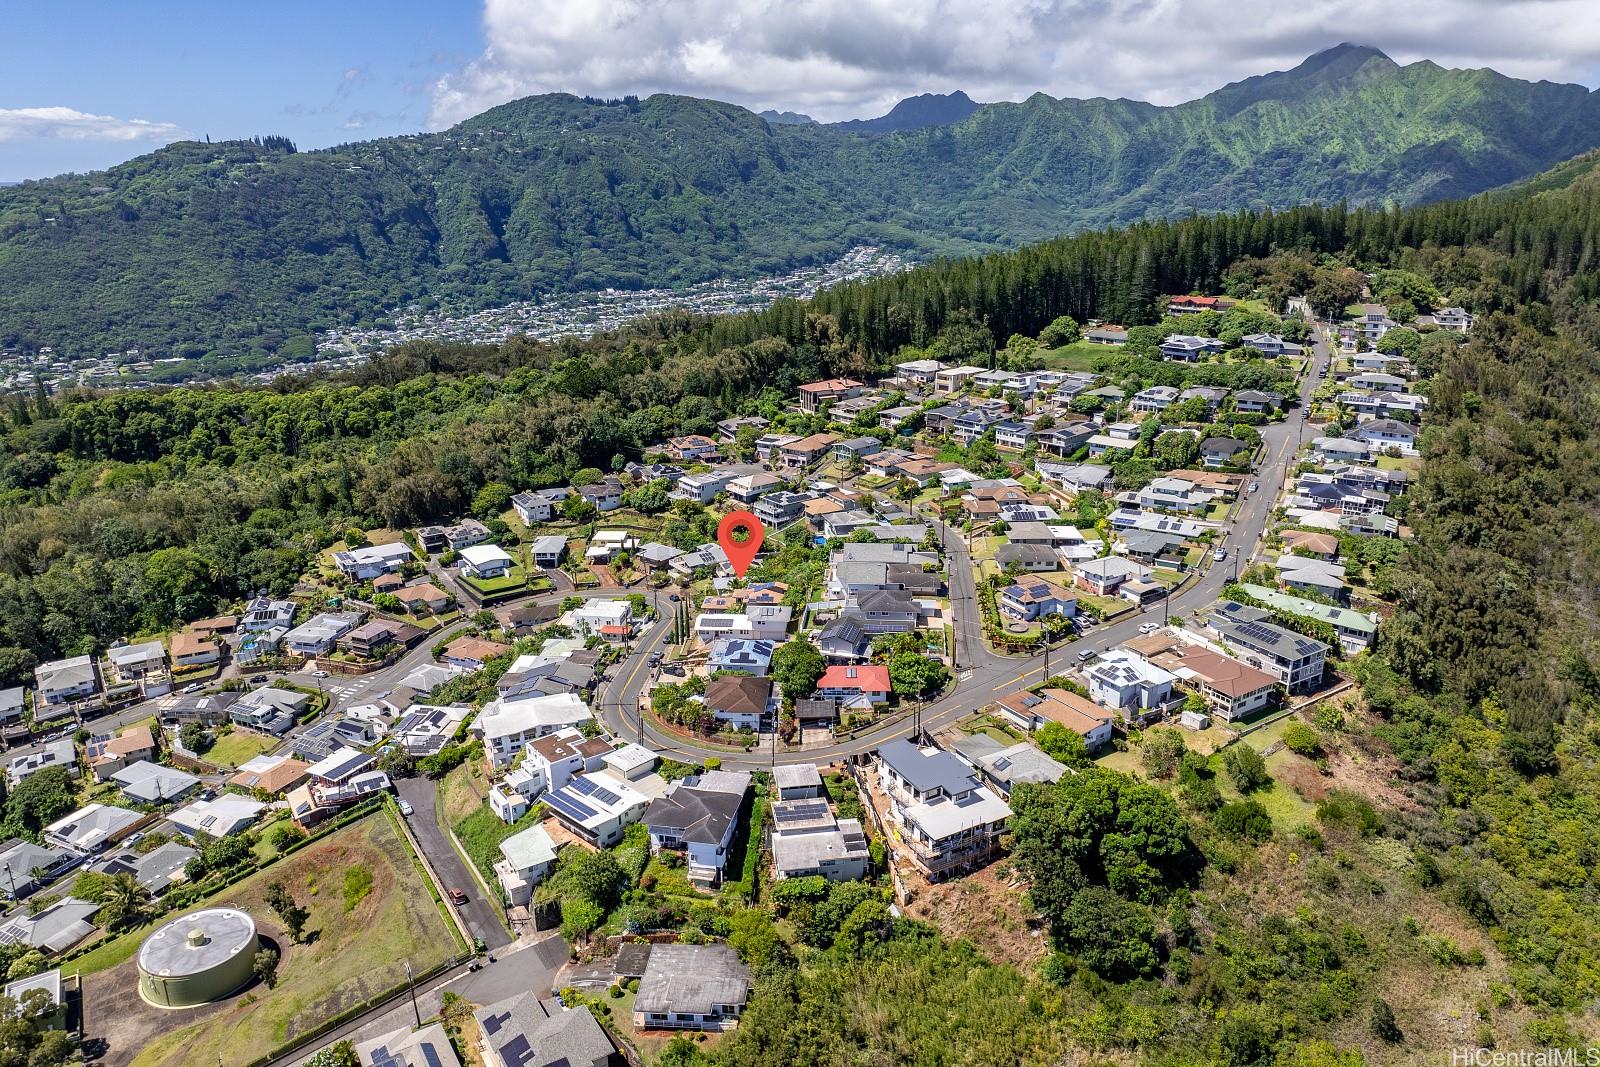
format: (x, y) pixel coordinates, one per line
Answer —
(241, 248)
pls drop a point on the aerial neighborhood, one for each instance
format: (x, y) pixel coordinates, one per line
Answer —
(979, 577)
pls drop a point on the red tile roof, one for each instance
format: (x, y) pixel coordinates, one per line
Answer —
(867, 679)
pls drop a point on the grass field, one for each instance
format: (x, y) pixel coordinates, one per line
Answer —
(461, 792)
(238, 746)
(351, 955)
(1079, 356)
(515, 579)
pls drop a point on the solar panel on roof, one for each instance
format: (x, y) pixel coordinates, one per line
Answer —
(589, 788)
(569, 806)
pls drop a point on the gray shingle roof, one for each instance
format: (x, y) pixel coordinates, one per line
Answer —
(692, 978)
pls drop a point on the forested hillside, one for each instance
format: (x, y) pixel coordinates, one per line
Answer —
(248, 248)
(1450, 898)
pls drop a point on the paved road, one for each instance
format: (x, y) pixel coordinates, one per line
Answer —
(481, 915)
(983, 675)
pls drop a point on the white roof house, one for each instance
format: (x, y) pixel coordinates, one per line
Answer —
(507, 724)
(90, 828)
(482, 557)
(227, 814)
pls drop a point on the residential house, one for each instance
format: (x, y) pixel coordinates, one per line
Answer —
(1295, 660)
(90, 829)
(405, 1047)
(702, 488)
(547, 551)
(1031, 598)
(262, 614)
(1378, 382)
(1255, 401)
(779, 508)
(26, 867)
(1221, 451)
(318, 635)
(698, 816)
(1232, 690)
(809, 839)
(844, 640)
(269, 709)
(190, 650)
(1189, 349)
(1176, 493)
(605, 495)
(751, 487)
(525, 1031)
(1129, 683)
(59, 753)
(1355, 630)
(425, 729)
(145, 782)
(1031, 710)
(1154, 399)
(366, 563)
(1381, 435)
(883, 611)
(372, 638)
(918, 372)
(1451, 318)
(11, 704)
(1104, 576)
(599, 806)
(1106, 336)
(508, 725)
(1383, 405)
(108, 755)
(1119, 436)
(54, 929)
(693, 448)
(1213, 395)
(741, 654)
(947, 821)
(471, 653)
(1030, 558)
(728, 429)
(769, 443)
(156, 870)
(1004, 767)
(815, 395)
(526, 859)
(548, 762)
(132, 663)
(1075, 478)
(1270, 345)
(856, 685)
(1329, 450)
(1379, 361)
(797, 781)
(485, 562)
(222, 816)
(691, 987)
(1308, 574)
(1065, 440)
(742, 701)
(275, 775)
(64, 681)
(538, 506)
(800, 454)
(1194, 305)
(1310, 543)
(954, 379)
(424, 596)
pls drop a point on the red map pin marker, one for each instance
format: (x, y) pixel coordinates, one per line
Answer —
(740, 553)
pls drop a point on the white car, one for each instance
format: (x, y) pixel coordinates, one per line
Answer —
(1149, 627)
(405, 808)
(319, 674)
(1220, 554)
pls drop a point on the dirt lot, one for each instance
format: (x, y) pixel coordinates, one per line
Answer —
(987, 909)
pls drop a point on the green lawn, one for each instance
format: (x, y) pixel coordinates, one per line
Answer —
(1078, 356)
(238, 746)
(481, 832)
(516, 579)
(351, 955)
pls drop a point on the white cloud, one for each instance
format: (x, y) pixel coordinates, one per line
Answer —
(69, 124)
(838, 59)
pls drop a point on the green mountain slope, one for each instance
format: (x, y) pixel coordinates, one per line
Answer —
(240, 247)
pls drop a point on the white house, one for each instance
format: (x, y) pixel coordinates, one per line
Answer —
(368, 562)
(485, 561)
(526, 859)
(598, 806)
(1128, 682)
(507, 725)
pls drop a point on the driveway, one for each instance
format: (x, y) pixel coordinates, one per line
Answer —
(481, 915)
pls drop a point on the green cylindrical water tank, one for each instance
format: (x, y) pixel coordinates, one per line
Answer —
(201, 957)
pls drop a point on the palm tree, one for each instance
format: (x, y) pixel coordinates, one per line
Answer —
(125, 901)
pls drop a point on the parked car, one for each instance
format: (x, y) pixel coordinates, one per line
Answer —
(319, 674)
(194, 688)
(1220, 554)
(259, 679)
(405, 808)
(655, 658)
(1086, 655)
(1253, 487)
(457, 897)
(1149, 627)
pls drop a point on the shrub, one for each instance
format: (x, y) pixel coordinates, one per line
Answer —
(1301, 739)
(1245, 819)
(1246, 767)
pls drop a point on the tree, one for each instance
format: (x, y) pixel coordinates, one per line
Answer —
(1383, 1022)
(1160, 751)
(1115, 937)
(123, 901)
(1245, 819)
(338, 1054)
(577, 509)
(796, 666)
(291, 914)
(1301, 739)
(1246, 767)
(912, 675)
(1063, 330)
(39, 800)
(265, 967)
(1061, 744)
(492, 500)
(179, 583)
(195, 738)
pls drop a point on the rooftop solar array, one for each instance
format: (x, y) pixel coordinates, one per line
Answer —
(570, 806)
(590, 788)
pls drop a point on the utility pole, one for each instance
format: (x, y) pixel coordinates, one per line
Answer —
(412, 985)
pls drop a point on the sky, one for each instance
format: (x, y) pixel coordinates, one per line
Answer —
(86, 85)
